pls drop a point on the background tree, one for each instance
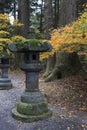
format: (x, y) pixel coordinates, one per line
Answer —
(48, 16)
(8, 34)
(67, 15)
(41, 17)
(23, 16)
(56, 12)
(36, 19)
(5, 6)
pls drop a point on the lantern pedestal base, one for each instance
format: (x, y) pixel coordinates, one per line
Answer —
(5, 83)
(29, 112)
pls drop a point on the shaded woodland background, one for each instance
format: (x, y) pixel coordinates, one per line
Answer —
(39, 19)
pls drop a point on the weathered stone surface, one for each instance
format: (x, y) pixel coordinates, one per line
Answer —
(30, 118)
(30, 47)
(5, 82)
(33, 106)
(33, 67)
(32, 97)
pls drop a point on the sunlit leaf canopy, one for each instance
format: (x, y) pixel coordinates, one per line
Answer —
(8, 34)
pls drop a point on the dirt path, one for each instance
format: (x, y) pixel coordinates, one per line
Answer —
(64, 116)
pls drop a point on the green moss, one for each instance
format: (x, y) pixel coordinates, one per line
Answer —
(23, 42)
(29, 118)
(29, 112)
(34, 42)
(32, 108)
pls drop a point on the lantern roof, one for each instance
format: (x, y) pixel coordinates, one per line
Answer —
(30, 47)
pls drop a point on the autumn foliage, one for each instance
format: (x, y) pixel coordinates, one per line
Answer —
(72, 37)
(8, 34)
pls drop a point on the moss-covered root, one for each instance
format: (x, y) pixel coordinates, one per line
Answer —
(50, 66)
(56, 74)
(46, 74)
(49, 78)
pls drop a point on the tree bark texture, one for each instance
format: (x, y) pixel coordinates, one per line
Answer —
(67, 64)
(68, 12)
(48, 16)
(41, 17)
(24, 16)
(56, 13)
(50, 65)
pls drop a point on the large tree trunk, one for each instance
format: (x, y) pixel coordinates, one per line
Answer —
(56, 13)
(24, 16)
(67, 64)
(41, 17)
(50, 65)
(68, 12)
(48, 16)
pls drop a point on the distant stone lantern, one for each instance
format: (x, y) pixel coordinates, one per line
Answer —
(5, 82)
(32, 106)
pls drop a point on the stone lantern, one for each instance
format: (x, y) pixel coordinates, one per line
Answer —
(5, 82)
(32, 105)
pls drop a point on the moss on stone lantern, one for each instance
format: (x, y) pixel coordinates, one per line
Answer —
(33, 106)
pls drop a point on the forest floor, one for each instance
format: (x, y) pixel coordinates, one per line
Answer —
(67, 99)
